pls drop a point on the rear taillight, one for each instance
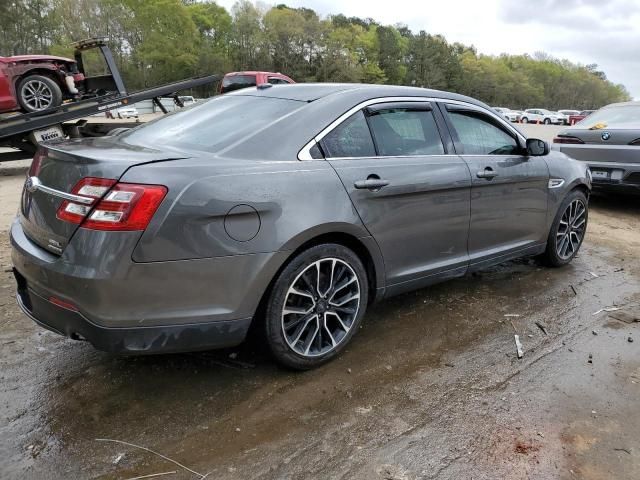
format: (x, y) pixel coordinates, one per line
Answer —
(567, 139)
(113, 206)
(90, 188)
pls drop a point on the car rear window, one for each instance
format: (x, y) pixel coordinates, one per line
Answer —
(212, 125)
(236, 82)
(623, 116)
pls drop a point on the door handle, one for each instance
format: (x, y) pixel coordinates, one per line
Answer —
(487, 173)
(373, 183)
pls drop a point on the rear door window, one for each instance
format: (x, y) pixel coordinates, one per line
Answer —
(236, 82)
(350, 139)
(480, 136)
(403, 131)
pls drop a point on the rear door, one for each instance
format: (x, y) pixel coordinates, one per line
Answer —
(508, 188)
(411, 195)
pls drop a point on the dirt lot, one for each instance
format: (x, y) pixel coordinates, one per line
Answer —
(431, 387)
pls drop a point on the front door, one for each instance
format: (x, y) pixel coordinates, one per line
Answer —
(411, 196)
(508, 188)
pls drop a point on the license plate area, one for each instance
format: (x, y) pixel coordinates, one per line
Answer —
(48, 134)
(600, 174)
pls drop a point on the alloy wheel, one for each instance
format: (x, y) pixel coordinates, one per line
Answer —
(320, 307)
(37, 95)
(571, 229)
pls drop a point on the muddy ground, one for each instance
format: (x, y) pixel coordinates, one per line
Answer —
(430, 388)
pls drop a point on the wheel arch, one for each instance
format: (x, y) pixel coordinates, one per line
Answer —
(51, 73)
(364, 247)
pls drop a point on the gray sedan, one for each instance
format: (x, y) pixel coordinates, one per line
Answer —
(292, 207)
(608, 141)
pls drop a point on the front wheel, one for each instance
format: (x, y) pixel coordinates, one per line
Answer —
(315, 306)
(524, 120)
(568, 230)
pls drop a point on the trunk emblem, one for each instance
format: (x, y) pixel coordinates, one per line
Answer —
(605, 136)
(32, 184)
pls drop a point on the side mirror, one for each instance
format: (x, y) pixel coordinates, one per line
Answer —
(537, 148)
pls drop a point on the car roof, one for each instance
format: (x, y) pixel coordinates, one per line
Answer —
(309, 92)
(44, 58)
(253, 72)
(633, 103)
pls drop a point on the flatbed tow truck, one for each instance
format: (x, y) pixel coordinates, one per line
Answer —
(27, 130)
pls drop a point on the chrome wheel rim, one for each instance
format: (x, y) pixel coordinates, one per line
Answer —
(37, 95)
(571, 229)
(320, 307)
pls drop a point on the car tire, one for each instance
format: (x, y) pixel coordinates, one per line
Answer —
(37, 92)
(568, 230)
(547, 121)
(524, 120)
(309, 318)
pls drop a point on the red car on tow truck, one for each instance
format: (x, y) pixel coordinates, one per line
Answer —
(32, 83)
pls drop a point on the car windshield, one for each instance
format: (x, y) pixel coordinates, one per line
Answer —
(622, 116)
(212, 125)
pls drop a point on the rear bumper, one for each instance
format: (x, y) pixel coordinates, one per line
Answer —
(140, 340)
(123, 306)
(622, 177)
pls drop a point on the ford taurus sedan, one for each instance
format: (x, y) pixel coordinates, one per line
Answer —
(295, 207)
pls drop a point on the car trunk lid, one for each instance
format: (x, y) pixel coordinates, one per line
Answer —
(57, 169)
(602, 145)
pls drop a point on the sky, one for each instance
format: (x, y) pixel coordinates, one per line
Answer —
(605, 32)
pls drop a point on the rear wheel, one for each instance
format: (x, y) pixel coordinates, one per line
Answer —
(315, 306)
(568, 230)
(37, 92)
(547, 121)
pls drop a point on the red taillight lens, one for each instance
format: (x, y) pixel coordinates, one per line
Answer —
(36, 163)
(112, 206)
(126, 207)
(89, 187)
(567, 139)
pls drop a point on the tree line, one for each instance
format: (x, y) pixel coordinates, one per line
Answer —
(157, 41)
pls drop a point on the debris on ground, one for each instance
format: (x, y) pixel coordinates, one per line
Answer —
(518, 346)
(630, 339)
(594, 332)
(606, 309)
(625, 316)
(575, 292)
(594, 275)
(590, 360)
(524, 448)
(542, 327)
(622, 450)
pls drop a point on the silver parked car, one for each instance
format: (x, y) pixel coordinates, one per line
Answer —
(608, 141)
(294, 206)
(507, 113)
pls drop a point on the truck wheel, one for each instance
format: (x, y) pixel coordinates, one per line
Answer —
(37, 92)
